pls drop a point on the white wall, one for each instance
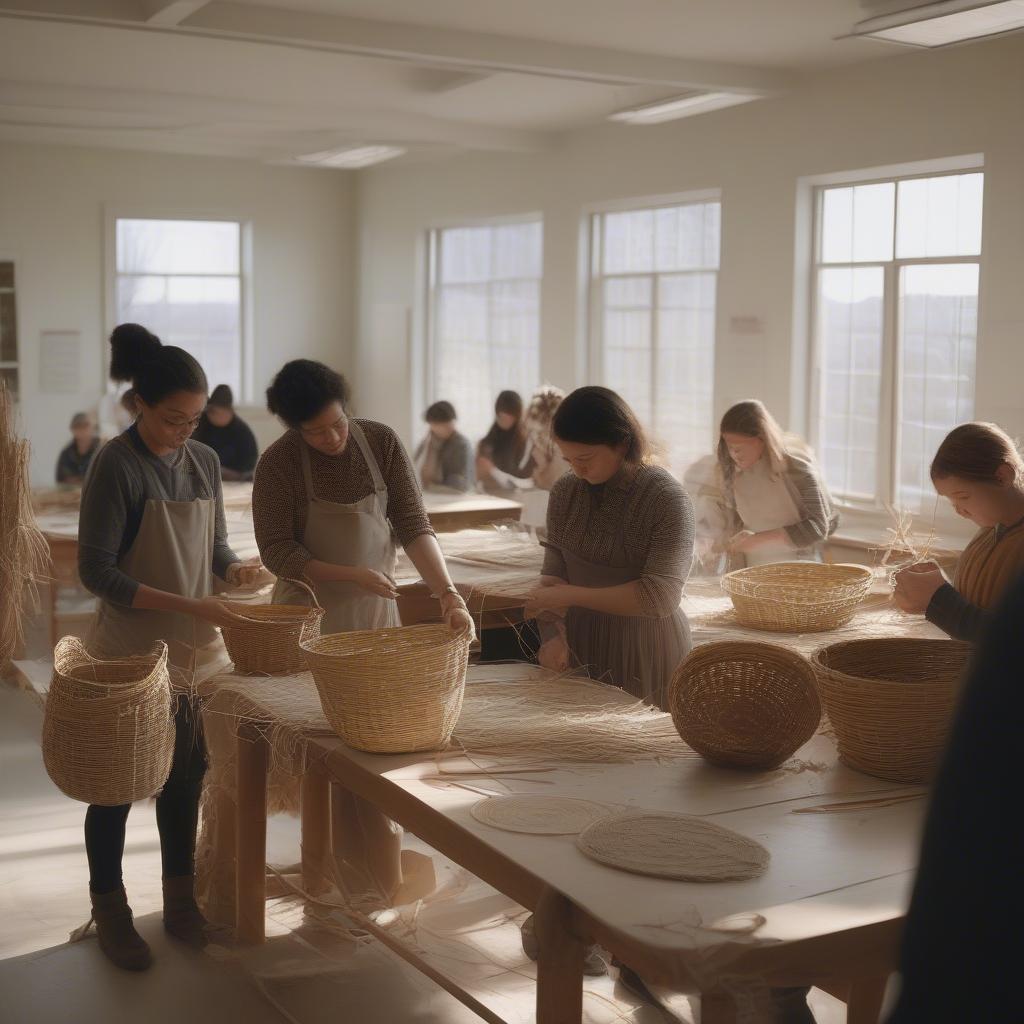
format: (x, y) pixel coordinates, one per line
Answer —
(52, 221)
(910, 108)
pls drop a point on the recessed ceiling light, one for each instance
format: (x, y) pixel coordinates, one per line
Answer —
(353, 157)
(945, 23)
(681, 106)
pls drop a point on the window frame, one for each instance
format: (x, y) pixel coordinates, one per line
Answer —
(427, 392)
(890, 398)
(595, 276)
(247, 347)
(17, 364)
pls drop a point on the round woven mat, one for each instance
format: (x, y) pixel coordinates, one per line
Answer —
(539, 815)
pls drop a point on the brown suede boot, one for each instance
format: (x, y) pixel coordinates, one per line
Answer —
(182, 917)
(119, 940)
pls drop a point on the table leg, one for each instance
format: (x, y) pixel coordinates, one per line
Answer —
(864, 1003)
(251, 836)
(314, 805)
(365, 840)
(559, 962)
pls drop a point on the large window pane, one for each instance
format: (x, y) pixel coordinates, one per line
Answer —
(857, 223)
(178, 247)
(487, 317)
(939, 216)
(850, 332)
(938, 341)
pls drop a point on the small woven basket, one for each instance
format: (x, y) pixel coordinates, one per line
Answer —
(108, 730)
(744, 704)
(391, 691)
(797, 597)
(891, 702)
(268, 642)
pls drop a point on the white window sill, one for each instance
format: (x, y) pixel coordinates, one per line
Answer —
(870, 528)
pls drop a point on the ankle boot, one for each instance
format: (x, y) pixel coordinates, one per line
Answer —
(119, 940)
(182, 917)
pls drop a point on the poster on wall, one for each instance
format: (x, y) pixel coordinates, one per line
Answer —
(59, 371)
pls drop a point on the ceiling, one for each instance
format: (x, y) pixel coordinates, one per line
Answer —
(274, 79)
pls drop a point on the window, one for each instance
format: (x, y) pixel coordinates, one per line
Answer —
(183, 280)
(896, 330)
(8, 329)
(653, 278)
(484, 317)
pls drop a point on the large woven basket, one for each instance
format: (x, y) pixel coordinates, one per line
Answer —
(267, 643)
(797, 597)
(391, 691)
(891, 702)
(108, 730)
(744, 704)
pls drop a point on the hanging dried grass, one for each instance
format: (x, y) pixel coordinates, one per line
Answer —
(563, 719)
(24, 555)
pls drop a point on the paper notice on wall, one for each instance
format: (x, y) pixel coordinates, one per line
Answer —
(59, 369)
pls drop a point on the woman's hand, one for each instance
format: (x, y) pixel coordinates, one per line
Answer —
(742, 542)
(554, 654)
(456, 616)
(916, 585)
(374, 582)
(214, 611)
(249, 573)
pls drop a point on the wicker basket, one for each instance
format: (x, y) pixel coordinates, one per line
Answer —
(891, 702)
(391, 691)
(267, 643)
(108, 731)
(797, 597)
(744, 704)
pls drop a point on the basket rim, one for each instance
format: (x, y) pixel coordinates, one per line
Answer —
(862, 571)
(73, 649)
(422, 629)
(822, 669)
(299, 613)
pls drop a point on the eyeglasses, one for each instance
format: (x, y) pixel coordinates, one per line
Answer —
(322, 432)
(178, 424)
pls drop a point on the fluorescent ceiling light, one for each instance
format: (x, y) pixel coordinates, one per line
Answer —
(353, 157)
(681, 106)
(945, 23)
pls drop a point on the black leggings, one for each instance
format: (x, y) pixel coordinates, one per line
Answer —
(177, 810)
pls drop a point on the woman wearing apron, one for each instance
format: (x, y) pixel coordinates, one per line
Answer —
(776, 506)
(151, 536)
(981, 473)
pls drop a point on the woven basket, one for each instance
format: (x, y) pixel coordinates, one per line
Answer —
(891, 702)
(744, 704)
(797, 597)
(391, 691)
(108, 731)
(267, 643)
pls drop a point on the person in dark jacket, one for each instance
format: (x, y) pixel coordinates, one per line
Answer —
(228, 435)
(74, 460)
(965, 912)
(444, 458)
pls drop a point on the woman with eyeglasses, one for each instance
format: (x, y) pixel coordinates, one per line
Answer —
(332, 499)
(151, 536)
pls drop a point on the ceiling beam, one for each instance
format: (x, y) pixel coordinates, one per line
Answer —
(169, 13)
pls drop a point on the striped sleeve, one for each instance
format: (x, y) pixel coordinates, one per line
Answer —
(818, 520)
(670, 554)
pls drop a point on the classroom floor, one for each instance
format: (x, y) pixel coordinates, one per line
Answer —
(311, 971)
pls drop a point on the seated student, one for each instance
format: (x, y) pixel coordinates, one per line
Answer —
(228, 435)
(74, 460)
(980, 471)
(444, 458)
(776, 507)
(548, 464)
(504, 457)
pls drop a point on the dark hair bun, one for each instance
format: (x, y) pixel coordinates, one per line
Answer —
(131, 347)
(303, 388)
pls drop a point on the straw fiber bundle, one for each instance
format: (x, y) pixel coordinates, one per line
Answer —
(676, 846)
(391, 691)
(539, 815)
(797, 597)
(24, 556)
(267, 643)
(745, 704)
(891, 702)
(108, 732)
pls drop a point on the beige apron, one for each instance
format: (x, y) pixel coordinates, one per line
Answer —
(173, 552)
(764, 502)
(353, 535)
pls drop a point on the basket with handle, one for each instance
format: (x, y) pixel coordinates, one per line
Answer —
(891, 701)
(108, 730)
(744, 704)
(268, 641)
(797, 597)
(394, 690)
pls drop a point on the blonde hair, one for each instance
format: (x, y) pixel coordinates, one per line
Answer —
(752, 419)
